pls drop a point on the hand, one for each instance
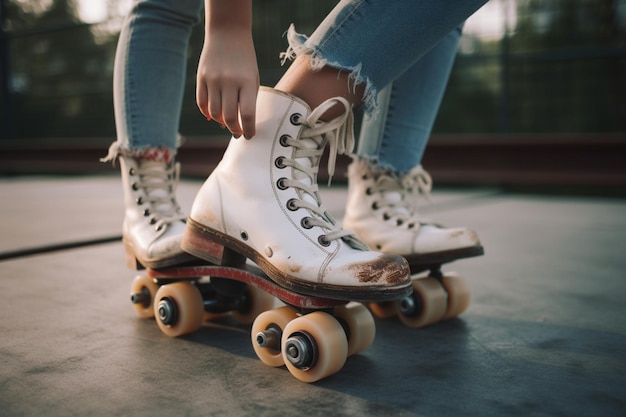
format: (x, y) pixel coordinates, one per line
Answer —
(228, 78)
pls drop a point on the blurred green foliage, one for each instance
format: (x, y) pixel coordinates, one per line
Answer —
(560, 67)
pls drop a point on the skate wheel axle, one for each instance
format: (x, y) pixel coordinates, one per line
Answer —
(142, 297)
(269, 338)
(168, 311)
(301, 350)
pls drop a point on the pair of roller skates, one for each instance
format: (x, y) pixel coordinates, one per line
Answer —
(312, 336)
(262, 204)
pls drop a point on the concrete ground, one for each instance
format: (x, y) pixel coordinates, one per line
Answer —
(545, 334)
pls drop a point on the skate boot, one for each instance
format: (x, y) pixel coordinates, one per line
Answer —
(382, 210)
(153, 222)
(262, 203)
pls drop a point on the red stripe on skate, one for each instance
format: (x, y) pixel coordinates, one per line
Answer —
(249, 275)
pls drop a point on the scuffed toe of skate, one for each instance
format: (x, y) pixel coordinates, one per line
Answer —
(385, 277)
(387, 270)
(436, 246)
(432, 239)
(157, 250)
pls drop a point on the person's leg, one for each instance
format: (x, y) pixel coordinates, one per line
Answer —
(262, 200)
(396, 136)
(149, 73)
(149, 77)
(386, 177)
(364, 45)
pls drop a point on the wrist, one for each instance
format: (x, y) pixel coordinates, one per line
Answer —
(228, 14)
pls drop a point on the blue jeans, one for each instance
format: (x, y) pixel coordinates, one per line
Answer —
(403, 44)
(149, 72)
(394, 138)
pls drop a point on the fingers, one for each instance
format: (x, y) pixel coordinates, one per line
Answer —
(202, 100)
(232, 108)
(247, 110)
(214, 105)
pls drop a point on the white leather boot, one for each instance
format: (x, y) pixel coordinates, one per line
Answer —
(262, 202)
(153, 222)
(382, 210)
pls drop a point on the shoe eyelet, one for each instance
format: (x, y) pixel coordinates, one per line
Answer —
(280, 184)
(295, 119)
(386, 216)
(411, 225)
(283, 140)
(158, 228)
(139, 201)
(146, 212)
(306, 223)
(375, 206)
(291, 204)
(322, 240)
(368, 191)
(244, 235)
(378, 247)
(153, 221)
(131, 171)
(280, 162)
(399, 222)
(135, 186)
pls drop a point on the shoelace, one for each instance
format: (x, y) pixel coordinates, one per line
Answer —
(399, 196)
(155, 177)
(159, 182)
(418, 183)
(339, 133)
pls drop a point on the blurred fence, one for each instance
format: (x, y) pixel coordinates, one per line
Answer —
(528, 73)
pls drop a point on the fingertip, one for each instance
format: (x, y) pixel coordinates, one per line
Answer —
(249, 134)
(236, 133)
(248, 126)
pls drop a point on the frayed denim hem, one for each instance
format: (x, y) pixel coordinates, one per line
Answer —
(298, 45)
(148, 152)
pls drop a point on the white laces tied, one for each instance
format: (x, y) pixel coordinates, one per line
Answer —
(339, 133)
(160, 183)
(418, 183)
(399, 197)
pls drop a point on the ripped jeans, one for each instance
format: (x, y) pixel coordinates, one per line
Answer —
(401, 49)
(394, 138)
(149, 75)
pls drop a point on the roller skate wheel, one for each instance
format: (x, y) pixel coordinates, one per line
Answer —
(142, 292)
(178, 308)
(458, 295)
(427, 304)
(359, 326)
(314, 346)
(267, 331)
(384, 309)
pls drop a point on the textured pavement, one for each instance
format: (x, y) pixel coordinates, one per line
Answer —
(545, 334)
